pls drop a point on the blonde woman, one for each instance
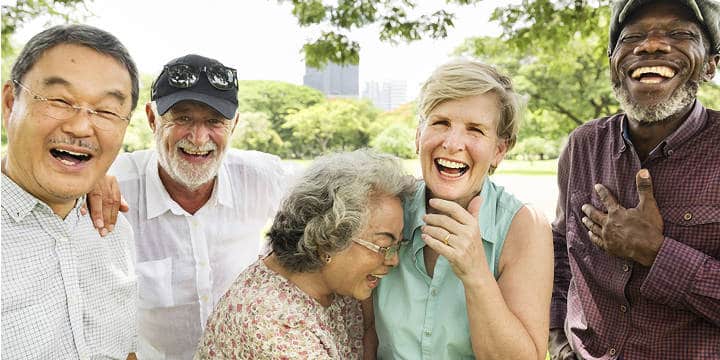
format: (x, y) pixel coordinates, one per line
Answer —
(475, 280)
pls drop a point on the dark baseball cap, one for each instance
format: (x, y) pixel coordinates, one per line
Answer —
(707, 14)
(167, 95)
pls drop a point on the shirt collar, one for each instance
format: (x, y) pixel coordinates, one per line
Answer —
(158, 200)
(695, 121)
(19, 203)
(416, 209)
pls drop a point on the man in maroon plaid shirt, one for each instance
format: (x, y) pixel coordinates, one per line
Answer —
(637, 273)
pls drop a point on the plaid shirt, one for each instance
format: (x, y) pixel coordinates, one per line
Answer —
(611, 306)
(67, 293)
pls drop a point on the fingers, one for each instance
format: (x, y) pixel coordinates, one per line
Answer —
(592, 226)
(645, 189)
(607, 198)
(445, 222)
(124, 206)
(439, 233)
(453, 209)
(597, 240)
(438, 246)
(94, 203)
(594, 214)
(110, 216)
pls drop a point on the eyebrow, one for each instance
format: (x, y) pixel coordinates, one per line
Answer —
(56, 80)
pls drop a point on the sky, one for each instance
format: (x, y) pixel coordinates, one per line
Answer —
(262, 40)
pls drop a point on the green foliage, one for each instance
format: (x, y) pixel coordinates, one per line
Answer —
(556, 52)
(333, 125)
(397, 139)
(138, 135)
(535, 148)
(709, 95)
(255, 132)
(14, 16)
(398, 21)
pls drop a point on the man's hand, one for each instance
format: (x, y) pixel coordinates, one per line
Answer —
(104, 201)
(559, 347)
(635, 233)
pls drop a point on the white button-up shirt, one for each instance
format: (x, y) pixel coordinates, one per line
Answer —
(67, 293)
(186, 261)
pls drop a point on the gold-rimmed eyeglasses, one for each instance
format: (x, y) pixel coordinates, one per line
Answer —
(61, 109)
(388, 252)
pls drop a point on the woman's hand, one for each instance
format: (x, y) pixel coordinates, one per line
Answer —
(455, 234)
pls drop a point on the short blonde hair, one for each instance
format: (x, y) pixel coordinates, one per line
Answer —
(463, 78)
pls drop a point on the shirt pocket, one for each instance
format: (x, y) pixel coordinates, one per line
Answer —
(155, 283)
(694, 225)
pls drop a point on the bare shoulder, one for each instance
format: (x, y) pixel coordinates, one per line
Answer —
(529, 238)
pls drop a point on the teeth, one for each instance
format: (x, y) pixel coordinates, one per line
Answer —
(451, 164)
(196, 152)
(72, 153)
(663, 71)
(650, 80)
(68, 163)
(377, 276)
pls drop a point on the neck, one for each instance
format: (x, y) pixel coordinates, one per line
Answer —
(191, 200)
(647, 135)
(311, 283)
(60, 207)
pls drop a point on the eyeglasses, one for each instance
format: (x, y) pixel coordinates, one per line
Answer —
(184, 76)
(388, 252)
(61, 109)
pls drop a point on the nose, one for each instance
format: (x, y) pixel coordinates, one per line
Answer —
(393, 261)
(79, 125)
(453, 141)
(199, 133)
(653, 43)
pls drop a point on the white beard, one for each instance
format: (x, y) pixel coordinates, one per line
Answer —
(680, 98)
(190, 176)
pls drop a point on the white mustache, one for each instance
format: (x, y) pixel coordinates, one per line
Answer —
(185, 144)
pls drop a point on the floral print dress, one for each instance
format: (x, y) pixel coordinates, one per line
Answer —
(265, 316)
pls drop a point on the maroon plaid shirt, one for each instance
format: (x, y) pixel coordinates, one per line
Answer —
(611, 306)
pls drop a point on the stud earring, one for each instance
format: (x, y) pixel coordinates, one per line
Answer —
(328, 258)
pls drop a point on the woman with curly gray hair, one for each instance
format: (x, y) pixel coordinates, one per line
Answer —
(335, 236)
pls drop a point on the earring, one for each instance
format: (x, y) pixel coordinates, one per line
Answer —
(328, 258)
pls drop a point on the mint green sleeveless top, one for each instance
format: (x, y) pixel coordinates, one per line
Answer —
(419, 317)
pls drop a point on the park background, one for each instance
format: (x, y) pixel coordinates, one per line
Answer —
(555, 50)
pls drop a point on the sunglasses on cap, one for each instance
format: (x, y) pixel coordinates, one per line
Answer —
(184, 76)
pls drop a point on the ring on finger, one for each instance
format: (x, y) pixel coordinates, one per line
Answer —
(446, 239)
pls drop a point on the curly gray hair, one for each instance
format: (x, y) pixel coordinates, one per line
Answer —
(328, 206)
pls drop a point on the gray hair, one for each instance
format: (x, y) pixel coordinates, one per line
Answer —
(84, 35)
(465, 78)
(328, 206)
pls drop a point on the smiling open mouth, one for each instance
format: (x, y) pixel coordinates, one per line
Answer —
(68, 157)
(190, 152)
(451, 168)
(653, 74)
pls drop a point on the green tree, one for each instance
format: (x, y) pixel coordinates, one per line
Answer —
(398, 21)
(15, 16)
(254, 132)
(138, 135)
(397, 139)
(332, 125)
(278, 100)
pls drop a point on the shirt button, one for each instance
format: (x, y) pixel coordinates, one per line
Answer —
(434, 292)
(688, 216)
(670, 152)
(626, 267)
(623, 308)
(428, 332)
(204, 298)
(612, 351)
(203, 263)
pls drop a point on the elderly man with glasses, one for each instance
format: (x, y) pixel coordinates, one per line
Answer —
(197, 207)
(67, 293)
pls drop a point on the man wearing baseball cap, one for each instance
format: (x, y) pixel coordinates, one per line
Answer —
(637, 235)
(197, 207)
